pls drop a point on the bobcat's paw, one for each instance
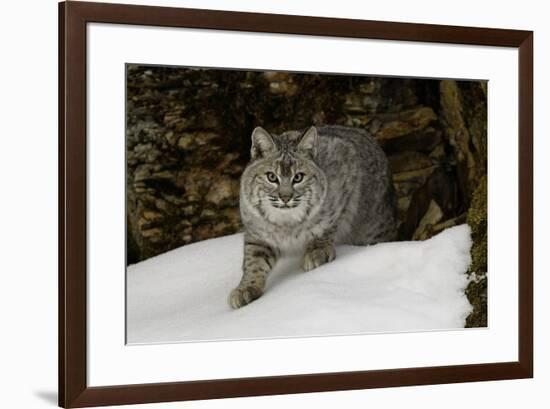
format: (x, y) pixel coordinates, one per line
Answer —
(318, 256)
(241, 296)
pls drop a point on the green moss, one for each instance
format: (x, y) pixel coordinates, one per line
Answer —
(477, 220)
(479, 256)
(477, 289)
(477, 295)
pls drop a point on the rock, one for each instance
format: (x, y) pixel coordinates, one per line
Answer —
(432, 216)
(171, 137)
(355, 103)
(423, 140)
(203, 232)
(142, 172)
(208, 214)
(439, 227)
(173, 117)
(205, 138)
(152, 215)
(186, 142)
(161, 204)
(403, 204)
(440, 187)
(190, 141)
(176, 200)
(147, 172)
(416, 176)
(477, 288)
(232, 215)
(152, 234)
(410, 160)
(369, 87)
(281, 83)
(461, 123)
(405, 123)
(163, 174)
(225, 192)
(406, 183)
(231, 165)
(189, 210)
(477, 220)
(358, 121)
(438, 155)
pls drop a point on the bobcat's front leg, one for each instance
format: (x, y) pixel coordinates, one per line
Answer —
(258, 261)
(319, 251)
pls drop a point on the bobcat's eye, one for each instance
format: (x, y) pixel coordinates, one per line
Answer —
(298, 177)
(272, 177)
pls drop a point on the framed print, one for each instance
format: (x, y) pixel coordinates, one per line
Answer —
(256, 204)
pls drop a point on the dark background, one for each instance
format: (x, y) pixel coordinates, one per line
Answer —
(188, 140)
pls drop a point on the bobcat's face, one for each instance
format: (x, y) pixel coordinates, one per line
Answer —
(282, 183)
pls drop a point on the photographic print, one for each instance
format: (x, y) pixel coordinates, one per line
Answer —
(251, 192)
(268, 204)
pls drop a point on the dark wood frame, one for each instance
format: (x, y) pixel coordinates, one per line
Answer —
(73, 388)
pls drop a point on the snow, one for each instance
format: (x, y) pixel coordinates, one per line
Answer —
(391, 287)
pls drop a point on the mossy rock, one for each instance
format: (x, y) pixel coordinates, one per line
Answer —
(477, 220)
(477, 289)
(477, 295)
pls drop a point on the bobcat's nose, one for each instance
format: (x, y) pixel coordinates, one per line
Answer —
(285, 197)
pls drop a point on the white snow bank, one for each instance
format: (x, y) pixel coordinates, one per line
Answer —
(402, 286)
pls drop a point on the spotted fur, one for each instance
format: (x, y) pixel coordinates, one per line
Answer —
(306, 192)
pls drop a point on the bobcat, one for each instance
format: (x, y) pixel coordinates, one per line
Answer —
(306, 192)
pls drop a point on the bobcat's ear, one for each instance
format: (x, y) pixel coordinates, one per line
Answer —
(308, 143)
(262, 143)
